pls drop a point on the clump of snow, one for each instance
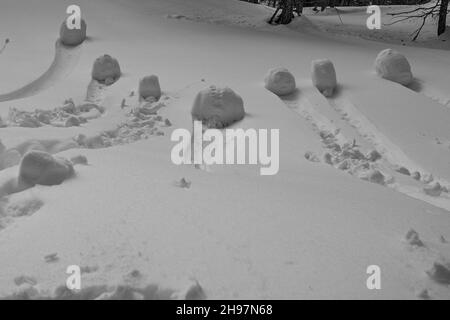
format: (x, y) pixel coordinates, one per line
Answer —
(375, 176)
(373, 156)
(280, 81)
(412, 237)
(149, 87)
(324, 76)
(41, 168)
(433, 190)
(440, 272)
(403, 170)
(80, 159)
(218, 107)
(394, 66)
(73, 37)
(106, 70)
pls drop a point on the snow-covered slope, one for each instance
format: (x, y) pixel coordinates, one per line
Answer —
(128, 217)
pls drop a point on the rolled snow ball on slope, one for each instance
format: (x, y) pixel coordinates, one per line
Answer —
(72, 37)
(218, 107)
(394, 66)
(280, 81)
(42, 168)
(106, 70)
(149, 87)
(324, 76)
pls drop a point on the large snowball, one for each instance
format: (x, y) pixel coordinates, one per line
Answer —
(394, 66)
(149, 87)
(324, 76)
(73, 37)
(218, 107)
(38, 167)
(280, 81)
(106, 70)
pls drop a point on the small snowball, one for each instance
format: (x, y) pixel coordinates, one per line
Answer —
(218, 107)
(280, 81)
(73, 37)
(394, 66)
(106, 70)
(150, 87)
(324, 76)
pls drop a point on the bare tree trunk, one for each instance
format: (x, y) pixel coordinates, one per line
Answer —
(442, 17)
(287, 11)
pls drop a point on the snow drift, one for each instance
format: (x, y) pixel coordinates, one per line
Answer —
(280, 81)
(393, 66)
(149, 87)
(324, 76)
(106, 70)
(218, 107)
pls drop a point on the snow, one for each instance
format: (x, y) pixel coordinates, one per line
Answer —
(394, 66)
(324, 76)
(218, 107)
(73, 37)
(134, 220)
(280, 81)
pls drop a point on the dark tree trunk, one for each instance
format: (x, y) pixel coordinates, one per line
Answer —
(442, 17)
(287, 11)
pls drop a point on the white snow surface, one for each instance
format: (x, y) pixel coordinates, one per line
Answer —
(308, 232)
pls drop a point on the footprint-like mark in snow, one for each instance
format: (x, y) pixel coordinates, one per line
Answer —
(65, 60)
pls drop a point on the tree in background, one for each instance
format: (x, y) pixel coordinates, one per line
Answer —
(287, 8)
(437, 9)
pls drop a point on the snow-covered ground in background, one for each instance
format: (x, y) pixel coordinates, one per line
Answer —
(133, 218)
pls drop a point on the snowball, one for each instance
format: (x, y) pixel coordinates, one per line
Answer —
(42, 168)
(324, 76)
(106, 70)
(394, 66)
(218, 107)
(149, 87)
(72, 37)
(280, 81)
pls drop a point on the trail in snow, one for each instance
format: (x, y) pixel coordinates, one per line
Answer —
(339, 139)
(65, 60)
(393, 154)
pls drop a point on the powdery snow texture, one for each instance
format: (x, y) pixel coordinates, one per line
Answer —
(73, 37)
(324, 76)
(218, 107)
(280, 81)
(393, 66)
